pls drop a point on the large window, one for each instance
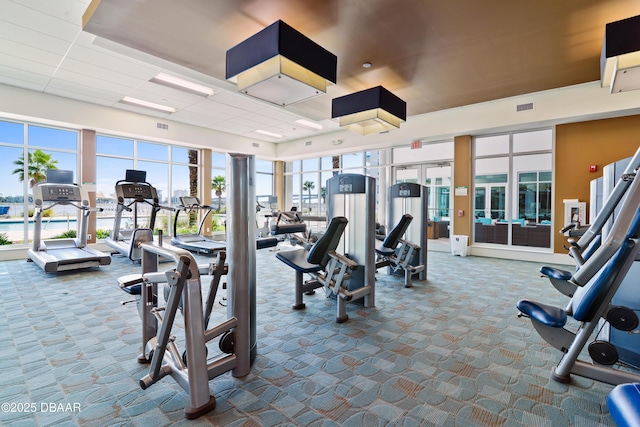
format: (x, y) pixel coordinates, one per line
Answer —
(512, 189)
(172, 170)
(27, 151)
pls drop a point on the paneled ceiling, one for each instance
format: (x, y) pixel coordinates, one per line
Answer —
(434, 54)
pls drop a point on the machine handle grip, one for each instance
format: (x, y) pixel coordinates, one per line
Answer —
(568, 227)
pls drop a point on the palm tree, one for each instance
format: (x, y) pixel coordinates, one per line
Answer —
(193, 184)
(38, 162)
(218, 184)
(308, 186)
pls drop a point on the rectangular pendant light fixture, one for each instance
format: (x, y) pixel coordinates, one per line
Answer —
(620, 58)
(369, 111)
(281, 65)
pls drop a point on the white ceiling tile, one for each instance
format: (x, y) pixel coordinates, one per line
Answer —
(110, 61)
(86, 80)
(66, 10)
(240, 101)
(76, 94)
(28, 52)
(73, 89)
(212, 106)
(35, 39)
(28, 65)
(22, 82)
(23, 75)
(99, 73)
(34, 18)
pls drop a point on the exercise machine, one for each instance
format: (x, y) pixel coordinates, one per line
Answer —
(597, 282)
(198, 242)
(624, 405)
(130, 193)
(55, 255)
(326, 267)
(353, 196)
(590, 237)
(194, 242)
(398, 251)
(236, 335)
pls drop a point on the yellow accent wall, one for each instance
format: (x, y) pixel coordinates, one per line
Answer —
(462, 178)
(578, 145)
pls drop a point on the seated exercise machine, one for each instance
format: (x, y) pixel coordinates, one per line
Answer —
(130, 193)
(397, 251)
(398, 258)
(327, 268)
(624, 405)
(597, 282)
(63, 254)
(580, 250)
(236, 335)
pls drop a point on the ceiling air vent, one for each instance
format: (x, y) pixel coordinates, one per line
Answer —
(255, 144)
(524, 107)
(162, 126)
(307, 143)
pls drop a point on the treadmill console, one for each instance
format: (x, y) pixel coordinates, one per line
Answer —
(188, 201)
(59, 193)
(137, 191)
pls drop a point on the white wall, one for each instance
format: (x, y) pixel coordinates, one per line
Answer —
(565, 105)
(22, 104)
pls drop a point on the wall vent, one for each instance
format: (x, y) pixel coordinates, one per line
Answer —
(307, 143)
(255, 144)
(524, 107)
(162, 126)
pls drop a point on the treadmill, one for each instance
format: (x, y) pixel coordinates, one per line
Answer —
(195, 242)
(132, 191)
(63, 254)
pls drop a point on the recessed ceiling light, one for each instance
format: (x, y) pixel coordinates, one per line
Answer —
(181, 84)
(309, 124)
(146, 104)
(267, 133)
(366, 65)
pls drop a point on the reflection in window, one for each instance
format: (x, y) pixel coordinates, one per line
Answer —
(534, 196)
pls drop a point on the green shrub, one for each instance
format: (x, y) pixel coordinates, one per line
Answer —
(45, 213)
(4, 239)
(102, 234)
(69, 234)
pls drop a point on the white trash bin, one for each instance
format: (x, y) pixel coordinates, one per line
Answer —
(459, 245)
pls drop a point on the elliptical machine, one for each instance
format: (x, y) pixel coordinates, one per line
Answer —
(195, 366)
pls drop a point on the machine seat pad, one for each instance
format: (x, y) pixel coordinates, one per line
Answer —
(297, 259)
(546, 314)
(624, 405)
(131, 283)
(383, 250)
(555, 273)
(266, 242)
(133, 290)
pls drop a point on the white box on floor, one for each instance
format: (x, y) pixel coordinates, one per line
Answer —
(459, 245)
